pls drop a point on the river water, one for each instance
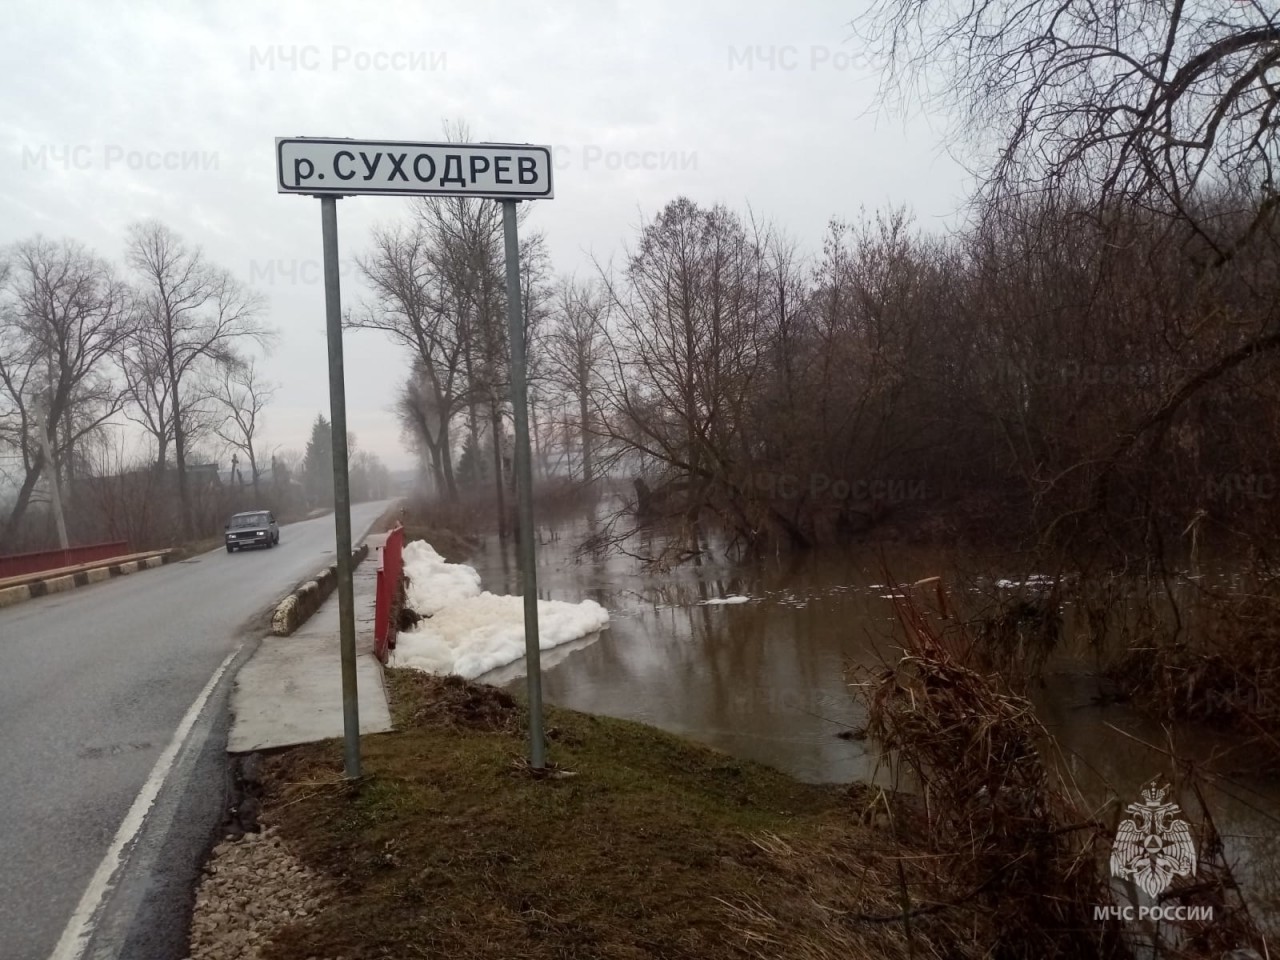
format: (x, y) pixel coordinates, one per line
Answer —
(764, 676)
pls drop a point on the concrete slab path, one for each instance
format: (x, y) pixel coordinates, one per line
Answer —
(290, 691)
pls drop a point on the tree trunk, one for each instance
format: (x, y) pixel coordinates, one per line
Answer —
(162, 455)
(586, 436)
(180, 453)
(473, 417)
(180, 461)
(495, 422)
(437, 467)
(20, 505)
(539, 461)
(446, 444)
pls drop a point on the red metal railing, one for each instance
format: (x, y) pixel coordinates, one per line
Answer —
(17, 564)
(390, 572)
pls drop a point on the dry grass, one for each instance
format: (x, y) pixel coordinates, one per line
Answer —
(1011, 848)
(1018, 859)
(1226, 672)
(655, 847)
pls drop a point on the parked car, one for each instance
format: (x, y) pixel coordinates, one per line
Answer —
(253, 528)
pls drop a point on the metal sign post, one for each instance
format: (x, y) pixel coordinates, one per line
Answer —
(333, 168)
(341, 488)
(524, 488)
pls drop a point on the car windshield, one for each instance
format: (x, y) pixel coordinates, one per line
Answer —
(249, 520)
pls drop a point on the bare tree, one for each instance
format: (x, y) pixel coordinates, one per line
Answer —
(439, 290)
(465, 239)
(1164, 104)
(147, 393)
(63, 317)
(242, 395)
(192, 313)
(685, 358)
(576, 353)
(1140, 118)
(415, 304)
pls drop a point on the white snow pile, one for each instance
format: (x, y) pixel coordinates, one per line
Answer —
(433, 583)
(471, 631)
(722, 601)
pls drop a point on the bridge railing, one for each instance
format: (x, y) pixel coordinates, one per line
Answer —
(18, 564)
(389, 593)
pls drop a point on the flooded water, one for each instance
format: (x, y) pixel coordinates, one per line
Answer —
(755, 659)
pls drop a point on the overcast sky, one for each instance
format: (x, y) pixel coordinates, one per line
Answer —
(765, 104)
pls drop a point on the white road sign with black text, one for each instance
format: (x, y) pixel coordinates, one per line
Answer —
(350, 167)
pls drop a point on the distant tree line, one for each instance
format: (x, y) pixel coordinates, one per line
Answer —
(1090, 359)
(168, 343)
(1055, 370)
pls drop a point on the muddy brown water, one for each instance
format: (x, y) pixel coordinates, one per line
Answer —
(765, 678)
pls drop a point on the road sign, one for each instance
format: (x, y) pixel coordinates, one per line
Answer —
(498, 171)
(509, 173)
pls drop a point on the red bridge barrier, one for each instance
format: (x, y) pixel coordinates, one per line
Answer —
(390, 593)
(17, 564)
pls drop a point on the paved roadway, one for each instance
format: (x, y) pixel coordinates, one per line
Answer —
(94, 684)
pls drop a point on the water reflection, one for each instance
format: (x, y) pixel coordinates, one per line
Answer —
(765, 679)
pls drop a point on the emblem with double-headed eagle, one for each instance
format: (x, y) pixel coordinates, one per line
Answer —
(1152, 848)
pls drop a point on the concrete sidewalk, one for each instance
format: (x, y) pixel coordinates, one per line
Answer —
(290, 691)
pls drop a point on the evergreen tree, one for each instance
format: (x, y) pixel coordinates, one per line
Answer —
(317, 464)
(472, 464)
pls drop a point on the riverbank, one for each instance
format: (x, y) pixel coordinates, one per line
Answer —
(640, 844)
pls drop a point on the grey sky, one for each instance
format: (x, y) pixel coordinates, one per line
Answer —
(766, 104)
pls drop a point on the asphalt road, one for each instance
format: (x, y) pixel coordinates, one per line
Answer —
(94, 684)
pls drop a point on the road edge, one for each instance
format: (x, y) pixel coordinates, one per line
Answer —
(305, 599)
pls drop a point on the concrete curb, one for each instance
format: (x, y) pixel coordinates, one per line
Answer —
(295, 609)
(9, 596)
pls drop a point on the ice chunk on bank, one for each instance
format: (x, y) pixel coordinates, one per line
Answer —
(434, 584)
(721, 601)
(472, 632)
(479, 634)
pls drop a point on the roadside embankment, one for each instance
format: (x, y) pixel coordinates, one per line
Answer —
(638, 843)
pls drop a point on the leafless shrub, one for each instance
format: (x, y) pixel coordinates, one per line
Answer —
(1017, 851)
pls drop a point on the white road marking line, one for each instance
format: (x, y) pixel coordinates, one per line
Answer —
(79, 929)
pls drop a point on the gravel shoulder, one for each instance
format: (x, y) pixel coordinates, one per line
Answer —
(252, 889)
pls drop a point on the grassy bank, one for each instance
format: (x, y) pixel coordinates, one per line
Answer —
(653, 847)
(640, 844)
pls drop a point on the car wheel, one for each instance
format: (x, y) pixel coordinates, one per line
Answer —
(230, 548)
